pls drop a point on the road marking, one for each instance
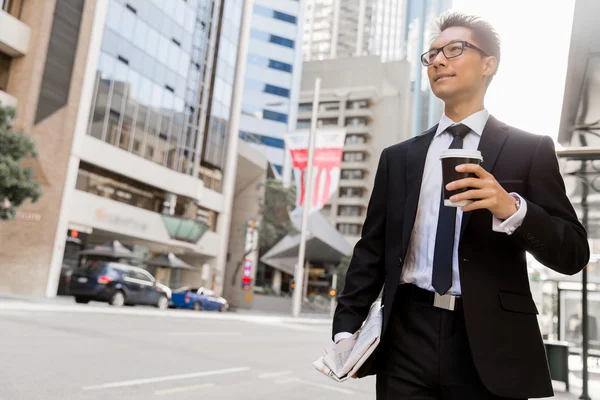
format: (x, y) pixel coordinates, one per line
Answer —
(182, 389)
(204, 333)
(167, 378)
(319, 385)
(274, 374)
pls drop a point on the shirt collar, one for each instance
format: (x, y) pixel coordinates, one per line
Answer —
(475, 121)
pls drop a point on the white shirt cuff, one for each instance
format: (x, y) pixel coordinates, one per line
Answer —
(341, 335)
(510, 225)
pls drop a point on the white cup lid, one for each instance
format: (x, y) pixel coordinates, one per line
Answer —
(463, 153)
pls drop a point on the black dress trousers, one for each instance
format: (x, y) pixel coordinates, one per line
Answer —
(425, 354)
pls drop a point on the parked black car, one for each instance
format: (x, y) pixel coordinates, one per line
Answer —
(117, 284)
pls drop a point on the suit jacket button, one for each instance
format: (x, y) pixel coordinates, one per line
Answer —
(529, 236)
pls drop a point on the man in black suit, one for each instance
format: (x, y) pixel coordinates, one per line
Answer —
(459, 319)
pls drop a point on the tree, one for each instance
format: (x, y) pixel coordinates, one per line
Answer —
(16, 182)
(274, 207)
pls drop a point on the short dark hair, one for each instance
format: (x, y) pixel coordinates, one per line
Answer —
(482, 31)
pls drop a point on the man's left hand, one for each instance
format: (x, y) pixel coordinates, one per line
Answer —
(488, 192)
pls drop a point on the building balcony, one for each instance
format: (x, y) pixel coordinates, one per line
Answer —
(361, 183)
(364, 129)
(362, 147)
(350, 219)
(362, 165)
(6, 100)
(353, 201)
(14, 35)
(360, 112)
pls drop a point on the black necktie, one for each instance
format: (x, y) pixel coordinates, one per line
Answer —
(444, 238)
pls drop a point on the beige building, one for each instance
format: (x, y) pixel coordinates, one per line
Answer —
(44, 50)
(131, 122)
(371, 100)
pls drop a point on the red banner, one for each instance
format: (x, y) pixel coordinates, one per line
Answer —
(327, 159)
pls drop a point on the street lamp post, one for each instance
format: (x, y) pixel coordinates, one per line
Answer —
(299, 272)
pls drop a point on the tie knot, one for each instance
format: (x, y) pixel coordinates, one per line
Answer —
(459, 130)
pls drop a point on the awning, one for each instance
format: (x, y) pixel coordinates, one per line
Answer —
(168, 260)
(113, 249)
(324, 244)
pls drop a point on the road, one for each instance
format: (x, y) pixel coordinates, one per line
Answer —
(66, 351)
(82, 352)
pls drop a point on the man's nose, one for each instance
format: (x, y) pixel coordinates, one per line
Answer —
(440, 60)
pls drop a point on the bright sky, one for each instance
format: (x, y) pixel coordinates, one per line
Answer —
(527, 92)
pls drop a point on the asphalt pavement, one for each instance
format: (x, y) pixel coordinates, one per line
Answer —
(66, 351)
(78, 352)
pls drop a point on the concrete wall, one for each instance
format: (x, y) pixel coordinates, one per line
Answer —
(21, 269)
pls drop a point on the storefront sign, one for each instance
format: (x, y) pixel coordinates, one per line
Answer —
(119, 220)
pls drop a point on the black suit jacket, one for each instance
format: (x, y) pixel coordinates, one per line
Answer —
(500, 314)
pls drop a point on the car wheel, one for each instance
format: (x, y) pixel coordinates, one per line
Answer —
(222, 308)
(163, 303)
(117, 299)
(197, 306)
(81, 300)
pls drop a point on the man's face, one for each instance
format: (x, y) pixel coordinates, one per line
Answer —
(463, 75)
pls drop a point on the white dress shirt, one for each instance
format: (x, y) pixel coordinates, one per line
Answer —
(418, 263)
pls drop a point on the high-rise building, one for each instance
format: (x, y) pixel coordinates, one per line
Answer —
(272, 77)
(374, 110)
(132, 121)
(347, 28)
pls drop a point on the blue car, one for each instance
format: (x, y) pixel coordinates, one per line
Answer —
(198, 299)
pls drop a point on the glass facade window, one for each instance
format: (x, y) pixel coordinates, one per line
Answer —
(260, 113)
(214, 148)
(266, 88)
(304, 107)
(349, 229)
(353, 174)
(357, 104)
(97, 181)
(261, 139)
(269, 63)
(329, 106)
(350, 211)
(327, 122)
(356, 121)
(349, 192)
(351, 156)
(303, 124)
(267, 12)
(267, 37)
(355, 139)
(149, 78)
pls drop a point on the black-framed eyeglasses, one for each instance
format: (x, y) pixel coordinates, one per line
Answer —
(451, 50)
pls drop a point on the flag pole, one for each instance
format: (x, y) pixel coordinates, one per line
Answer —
(299, 272)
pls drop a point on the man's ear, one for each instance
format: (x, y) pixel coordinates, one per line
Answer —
(490, 66)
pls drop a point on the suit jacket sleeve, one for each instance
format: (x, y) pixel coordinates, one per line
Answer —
(551, 231)
(366, 272)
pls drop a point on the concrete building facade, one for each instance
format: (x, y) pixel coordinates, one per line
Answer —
(374, 109)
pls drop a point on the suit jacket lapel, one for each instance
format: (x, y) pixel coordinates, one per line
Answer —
(493, 137)
(415, 164)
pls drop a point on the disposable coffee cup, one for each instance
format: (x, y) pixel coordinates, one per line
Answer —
(452, 158)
